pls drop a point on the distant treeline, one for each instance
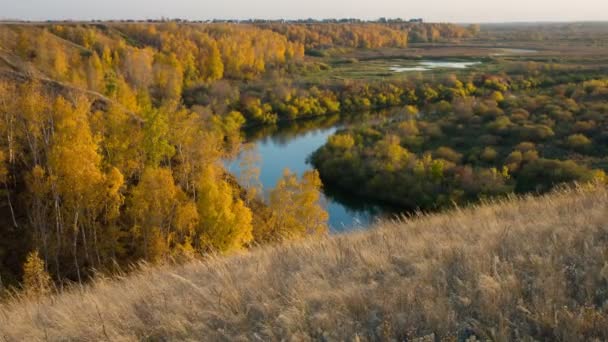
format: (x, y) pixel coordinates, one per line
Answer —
(235, 21)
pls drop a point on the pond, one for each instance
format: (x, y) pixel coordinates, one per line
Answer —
(430, 65)
(288, 146)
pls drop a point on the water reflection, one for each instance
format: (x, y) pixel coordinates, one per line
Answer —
(430, 65)
(289, 145)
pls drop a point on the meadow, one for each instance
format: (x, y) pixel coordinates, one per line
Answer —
(527, 268)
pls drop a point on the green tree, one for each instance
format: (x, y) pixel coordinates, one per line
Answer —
(156, 137)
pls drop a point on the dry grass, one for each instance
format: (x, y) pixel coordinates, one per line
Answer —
(531, 268)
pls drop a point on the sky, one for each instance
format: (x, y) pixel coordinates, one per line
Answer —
(466, 11)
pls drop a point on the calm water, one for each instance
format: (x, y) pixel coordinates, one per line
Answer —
(289, 146)
(430, 65)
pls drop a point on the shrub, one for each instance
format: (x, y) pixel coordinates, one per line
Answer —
(448, 154)
(489, 154)
(36, 280)
(578, 142)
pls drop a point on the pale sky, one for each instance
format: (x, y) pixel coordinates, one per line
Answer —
(430, 10)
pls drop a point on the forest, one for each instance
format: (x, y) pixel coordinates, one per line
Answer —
(113, 137)
(462, 142)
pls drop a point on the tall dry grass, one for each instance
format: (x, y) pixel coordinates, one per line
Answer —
(519, 269)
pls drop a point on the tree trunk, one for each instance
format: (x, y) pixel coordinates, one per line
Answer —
(75, 247)
(10, 205)
(95, 246)
(58, 232)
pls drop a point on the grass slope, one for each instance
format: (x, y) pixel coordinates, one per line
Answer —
(526, 268)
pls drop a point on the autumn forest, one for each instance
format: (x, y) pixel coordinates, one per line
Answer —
(114, 134)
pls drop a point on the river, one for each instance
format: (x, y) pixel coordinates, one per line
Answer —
(288, 146)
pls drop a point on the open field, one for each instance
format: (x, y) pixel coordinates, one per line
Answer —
(518, 269)
(381, 68)
(375, 64)
(498, 45)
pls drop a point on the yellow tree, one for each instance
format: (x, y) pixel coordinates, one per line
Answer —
(4, 181)
(195, 147)
(229, 126)
(8, 123)
(297, 206)
(106, 242)
(94, 72)
(33, 133)
(23, 45)
(36, 280)
(163, 218)
(79, 187)
(58, 58)
(168, 77)
(8, 119)
(123, 93)
(156, 146)
(121, 140)
(137, 66)
(151, 208)
(34, 121)
(211, 66)
(225, 221)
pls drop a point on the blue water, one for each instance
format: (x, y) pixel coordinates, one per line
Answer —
(285, 148)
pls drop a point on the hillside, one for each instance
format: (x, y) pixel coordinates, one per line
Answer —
(524, 268)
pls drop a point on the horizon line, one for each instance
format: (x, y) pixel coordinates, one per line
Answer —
(293, 20)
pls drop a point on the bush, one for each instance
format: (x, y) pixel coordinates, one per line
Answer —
(489, 154)
(447, 154)
(543, 174)
(578, 142)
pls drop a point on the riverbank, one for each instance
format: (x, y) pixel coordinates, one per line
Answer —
(291, 144)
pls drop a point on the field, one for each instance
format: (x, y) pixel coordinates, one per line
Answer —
(491, 60)
(498, 46)
(520, 269)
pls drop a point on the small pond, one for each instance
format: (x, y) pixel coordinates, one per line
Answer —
(430, 65)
